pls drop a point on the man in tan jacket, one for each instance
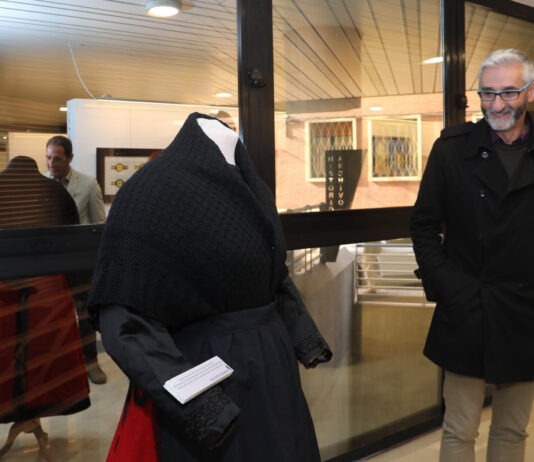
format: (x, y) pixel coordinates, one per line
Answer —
(88, 197)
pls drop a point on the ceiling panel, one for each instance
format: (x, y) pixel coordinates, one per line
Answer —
(357, 48)
(323, 49)
(120, 52)
(487, 31)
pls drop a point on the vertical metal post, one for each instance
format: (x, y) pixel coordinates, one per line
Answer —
(256, 84)
(453, 30)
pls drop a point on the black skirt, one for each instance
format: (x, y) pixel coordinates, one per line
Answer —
(275, 423)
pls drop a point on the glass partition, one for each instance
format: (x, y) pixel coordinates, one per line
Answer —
(109, 76)
(358, 99)
(135, 77)
(44, 390)
(372, 311)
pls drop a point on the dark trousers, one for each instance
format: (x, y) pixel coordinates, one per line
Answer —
(81, 283)
(87, 333)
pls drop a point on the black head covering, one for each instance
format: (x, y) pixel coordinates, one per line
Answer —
(190, 235)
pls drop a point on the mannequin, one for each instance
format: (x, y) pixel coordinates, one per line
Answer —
(225, 138)
(192, 265)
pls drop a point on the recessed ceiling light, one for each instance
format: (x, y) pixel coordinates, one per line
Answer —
(63, 109)
(5, 137)
(223, 95)
(376, 108)
(436, 59)
(162, 8)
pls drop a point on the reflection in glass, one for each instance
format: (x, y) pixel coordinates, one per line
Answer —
(124, 58)
(29, 199)
(341, 68)
(395, 148)
(372, 311)
(328, 136)
(41, 361)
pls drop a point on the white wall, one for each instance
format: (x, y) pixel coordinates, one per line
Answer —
(31, 145)
(96, 123)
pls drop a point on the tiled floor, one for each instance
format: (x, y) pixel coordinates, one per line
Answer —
(86, 436)
(82, 437)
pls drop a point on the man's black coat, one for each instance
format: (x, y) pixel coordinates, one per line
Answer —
(482, 273)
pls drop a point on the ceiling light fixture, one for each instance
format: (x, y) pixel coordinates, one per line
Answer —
(376, 108)
(162, 8)
(223, 95)
(63, 109)
(437, 59)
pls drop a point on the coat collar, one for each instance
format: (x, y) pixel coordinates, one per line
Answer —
(489, 169)
(260, 198)
(480, 138)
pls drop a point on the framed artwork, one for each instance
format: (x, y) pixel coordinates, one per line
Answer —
(395, 148)
(393, 157)
(114, 166)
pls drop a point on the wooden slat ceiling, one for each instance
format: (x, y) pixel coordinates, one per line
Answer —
(342, 48)
(324, 49)
(120, 52)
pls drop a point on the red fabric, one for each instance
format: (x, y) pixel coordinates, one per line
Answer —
(55, 369)
(134, 438)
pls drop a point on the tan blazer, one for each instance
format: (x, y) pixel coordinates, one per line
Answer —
(87, 194)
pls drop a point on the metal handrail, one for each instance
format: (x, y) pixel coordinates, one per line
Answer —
(386, 273)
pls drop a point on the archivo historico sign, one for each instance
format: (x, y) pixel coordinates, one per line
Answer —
(342, 171)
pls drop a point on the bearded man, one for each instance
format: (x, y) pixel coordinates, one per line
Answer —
(472, 229)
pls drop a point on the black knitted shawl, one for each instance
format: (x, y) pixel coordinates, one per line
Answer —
(189, 236)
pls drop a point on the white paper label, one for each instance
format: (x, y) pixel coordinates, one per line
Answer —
(185, 386)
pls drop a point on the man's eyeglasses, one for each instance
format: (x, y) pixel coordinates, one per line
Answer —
(506, 95)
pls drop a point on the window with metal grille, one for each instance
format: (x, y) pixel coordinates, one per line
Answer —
(395, 148)
(327, 135)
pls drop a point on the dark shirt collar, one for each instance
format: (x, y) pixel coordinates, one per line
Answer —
(495, 138)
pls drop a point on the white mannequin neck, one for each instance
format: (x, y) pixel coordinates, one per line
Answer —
(222, 136)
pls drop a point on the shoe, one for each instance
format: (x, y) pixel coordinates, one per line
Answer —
(96, 375)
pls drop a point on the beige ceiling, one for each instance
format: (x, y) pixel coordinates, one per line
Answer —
(120, 52)
(324, 49)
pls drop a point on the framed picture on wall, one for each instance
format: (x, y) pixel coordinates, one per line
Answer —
(114, 166)
(395, 148)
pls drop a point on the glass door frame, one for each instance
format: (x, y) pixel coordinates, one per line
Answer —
(38, 251)
(320, 229)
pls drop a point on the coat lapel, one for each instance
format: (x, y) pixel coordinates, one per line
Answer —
(490, 171)
(257, 193)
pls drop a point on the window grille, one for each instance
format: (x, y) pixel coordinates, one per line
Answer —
(327, 135)
(395, 147)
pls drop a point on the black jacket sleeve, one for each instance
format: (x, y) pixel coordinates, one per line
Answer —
(310, 347)
(146, 353)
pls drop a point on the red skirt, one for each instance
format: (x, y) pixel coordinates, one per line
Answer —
(135, 439)
(42, 370)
